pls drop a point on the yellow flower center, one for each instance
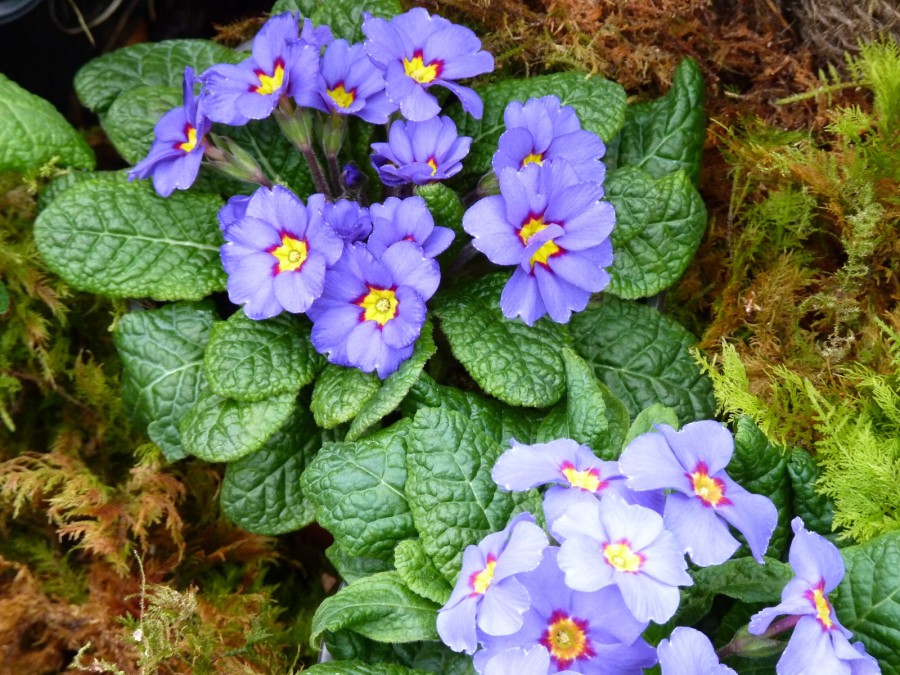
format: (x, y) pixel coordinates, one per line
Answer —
(290, 255)
(380, 305)
(622, 558)
(533, 158)
(341, 97)
(421, 72)
(823, 607)
(711, 491)
(531, 227)
(191, 142)
(566, 639)
(433, 165)
(588, 479)
(480, 581)
(269, 84)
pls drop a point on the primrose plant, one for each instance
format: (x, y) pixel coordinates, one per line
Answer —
(312, 229)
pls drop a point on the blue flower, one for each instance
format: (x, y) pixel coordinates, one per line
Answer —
(406, 220)
(689, 652)
(420, 152)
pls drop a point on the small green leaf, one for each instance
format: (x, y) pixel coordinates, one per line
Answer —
(340, 393)
(418, 571)
(123, 240)
(353, 567)
(519, 364)
(817, 510)
(162, 354)
(650, 417)
(667, 135)
(156, 64)
(617, 420)
(868, 599)
(222, 430)
(379, 607)
(357, 489)
(453, 499)
(278, 159)
(745, 579)
(643, 357)
(392, 391)
(4, 298)
(360, 668)
(251, 360)
(131, 118)
(600, 105)
(447, 209)
(344, 17)
(659, 225)
(33, 132)
(261, 492)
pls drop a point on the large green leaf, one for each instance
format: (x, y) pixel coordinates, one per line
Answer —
(519, 364)
(132, 116)
(357, 489)
(123, 240)
(344, 17)
(353, 567)
(644, 358)
(379, 607)
(745, 579)
(340, 393)
(600, 105)
(453, 499)
(868, 600)
(251, 360)
(162, 354)
(360, 668)
(261, 492)
(659, 225)
(32, 132)
(418, 571)
(157, 64)
(817, 510)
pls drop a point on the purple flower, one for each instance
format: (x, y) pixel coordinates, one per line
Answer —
(541, 130)
(611, 542)
(277, 252)
(233, 211)
(317, 36)
(487, 594)
(178, 144)
(350, 220)
(420, 152)
(689, 652)
(373, 308)
(580, 632)
(704, 500)
(555, 229)
(281, 65)
(348, 84)
(818, 636)
(416, 51)
(406, 220)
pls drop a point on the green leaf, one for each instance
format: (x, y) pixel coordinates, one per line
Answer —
(379, 607)
(419, 572)
(618, 421)
(659, 225)
(132, 116)
(648, 418)
(360, 668)
(453, 499)
(583, 415)
(340, 393)
(761, 467)
(519, 364)
(447, 209)
(62, 183)
(353, 567)
(278, 159)
(344, 17)
(4, 298)
(223, 430)
(643, 357)
(261, 493)
(251, 360)
(817, 510)
(868, 599)
(162, 353)
(123, 240)
(600, 105)
(667, 134)
(392, 391)
(32, 132)
(745, 579)
(357, 489)
(155, 64)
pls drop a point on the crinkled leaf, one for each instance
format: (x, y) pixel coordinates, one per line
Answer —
(817, 510)
(745, 579)
(659, 225)
(868, 600)
(453, 499)
(353, 567)
(261, 493)
(223, 430)
(419, 572)
(447, 209)
(392, 391)
(62, 183)
(761, 467)
(436, 657)
(643, 357)
(123, 240)
(157, 64)
(357, 489)
(583, 415)
(278, 159)
(519, 364)
(600, 105)
(340, 393)
(32, 132)
(379, 607)
(251, 360)
(345, 16)
(132, 116)
(667, 135)
(162, 357)
(648, 418)
(360, 668)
